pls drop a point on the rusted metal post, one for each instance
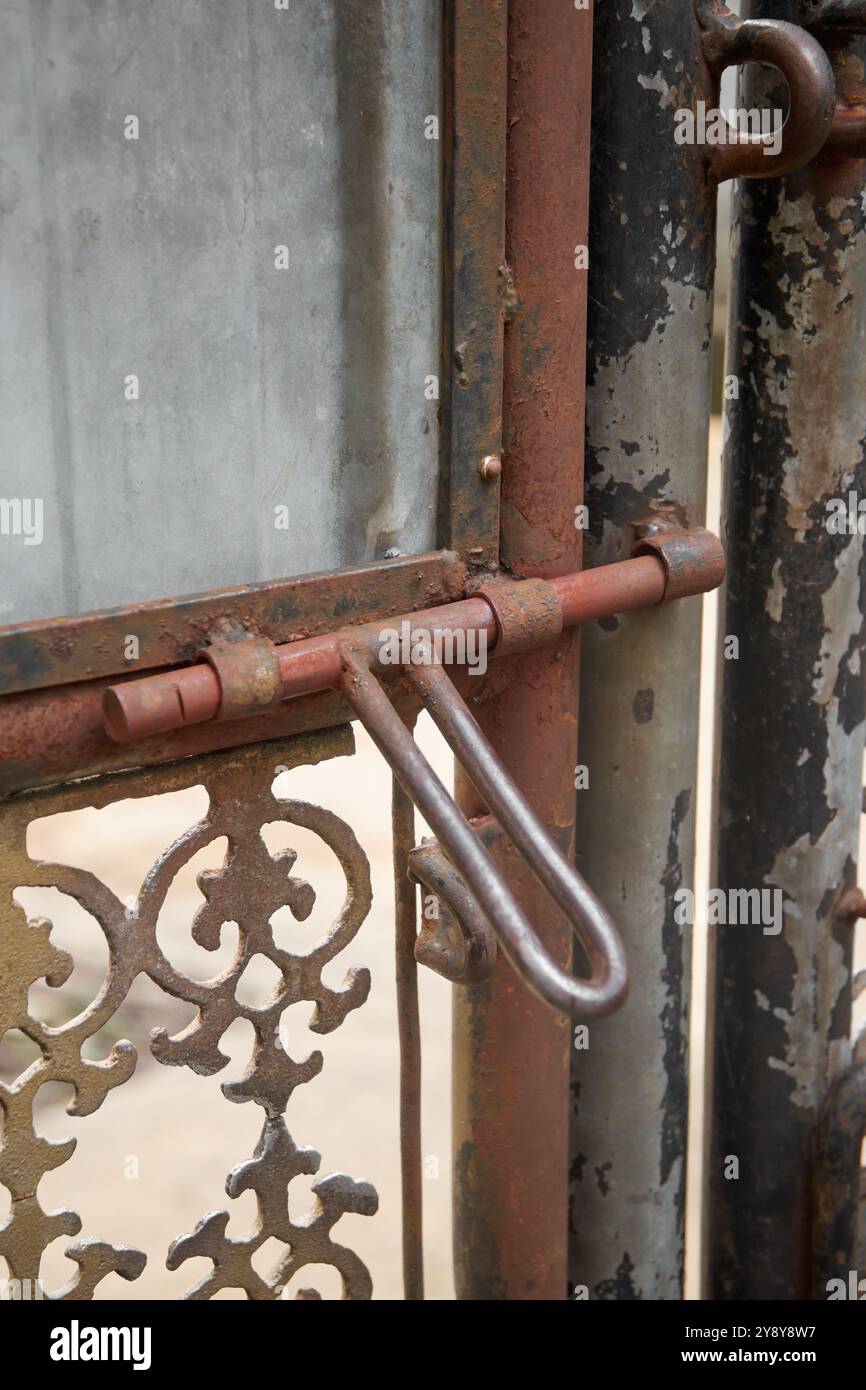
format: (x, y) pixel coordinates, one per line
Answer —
(792, 702)
(409, 1025)
(651, 260)
(473, 282)
(839, 1190)
(510, 1053)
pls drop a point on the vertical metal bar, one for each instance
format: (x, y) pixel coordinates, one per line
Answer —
(836, 1239)
(409, 1026)
(648, 400)
(792, 705)
(474, 283)
(510, 1052)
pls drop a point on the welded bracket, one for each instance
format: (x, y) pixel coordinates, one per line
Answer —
(454, 938)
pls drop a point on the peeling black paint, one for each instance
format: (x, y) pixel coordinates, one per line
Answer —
(645, 191)
(619, 504)
(601, 1178)
(661, 182)
(621, 1288)
(850, 688)
(771, 795)
(642, 706)
(673, 1017)
(652, 234)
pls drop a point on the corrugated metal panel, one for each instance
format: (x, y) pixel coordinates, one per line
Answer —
(259, 387)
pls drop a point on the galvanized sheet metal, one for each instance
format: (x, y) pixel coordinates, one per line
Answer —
(304, 388)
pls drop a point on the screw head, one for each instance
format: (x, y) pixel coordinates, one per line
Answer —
(491, 466)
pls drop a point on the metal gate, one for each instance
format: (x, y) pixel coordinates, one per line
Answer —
(335, 292)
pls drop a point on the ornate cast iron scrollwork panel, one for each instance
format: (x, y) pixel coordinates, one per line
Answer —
(248, 889)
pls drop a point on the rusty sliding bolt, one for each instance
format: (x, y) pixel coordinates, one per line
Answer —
(606, 986)
(505, 614)
(241, 669)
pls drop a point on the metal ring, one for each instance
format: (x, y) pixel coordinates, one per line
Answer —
(728, 41)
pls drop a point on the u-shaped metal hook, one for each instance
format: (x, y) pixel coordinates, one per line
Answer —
(729, 41)
(605, 988)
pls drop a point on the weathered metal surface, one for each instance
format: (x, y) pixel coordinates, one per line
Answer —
(652, 250)
(603, 989)
(241, 676)
(261, 254)
(835, 23)
(156, 704)
(834, 16)
(792, 705)
(611, 589)
(510, 1053)
(247, 669)
(52, 736)
(729, 40)
(409, 1030)
(528, 614)
(168, 631)
(838, 1182)
(475, 277)
(688, 556)
(455, 939)
(848, 132)
(248, 889)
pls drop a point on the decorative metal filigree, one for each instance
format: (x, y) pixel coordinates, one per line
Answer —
(250, 887)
